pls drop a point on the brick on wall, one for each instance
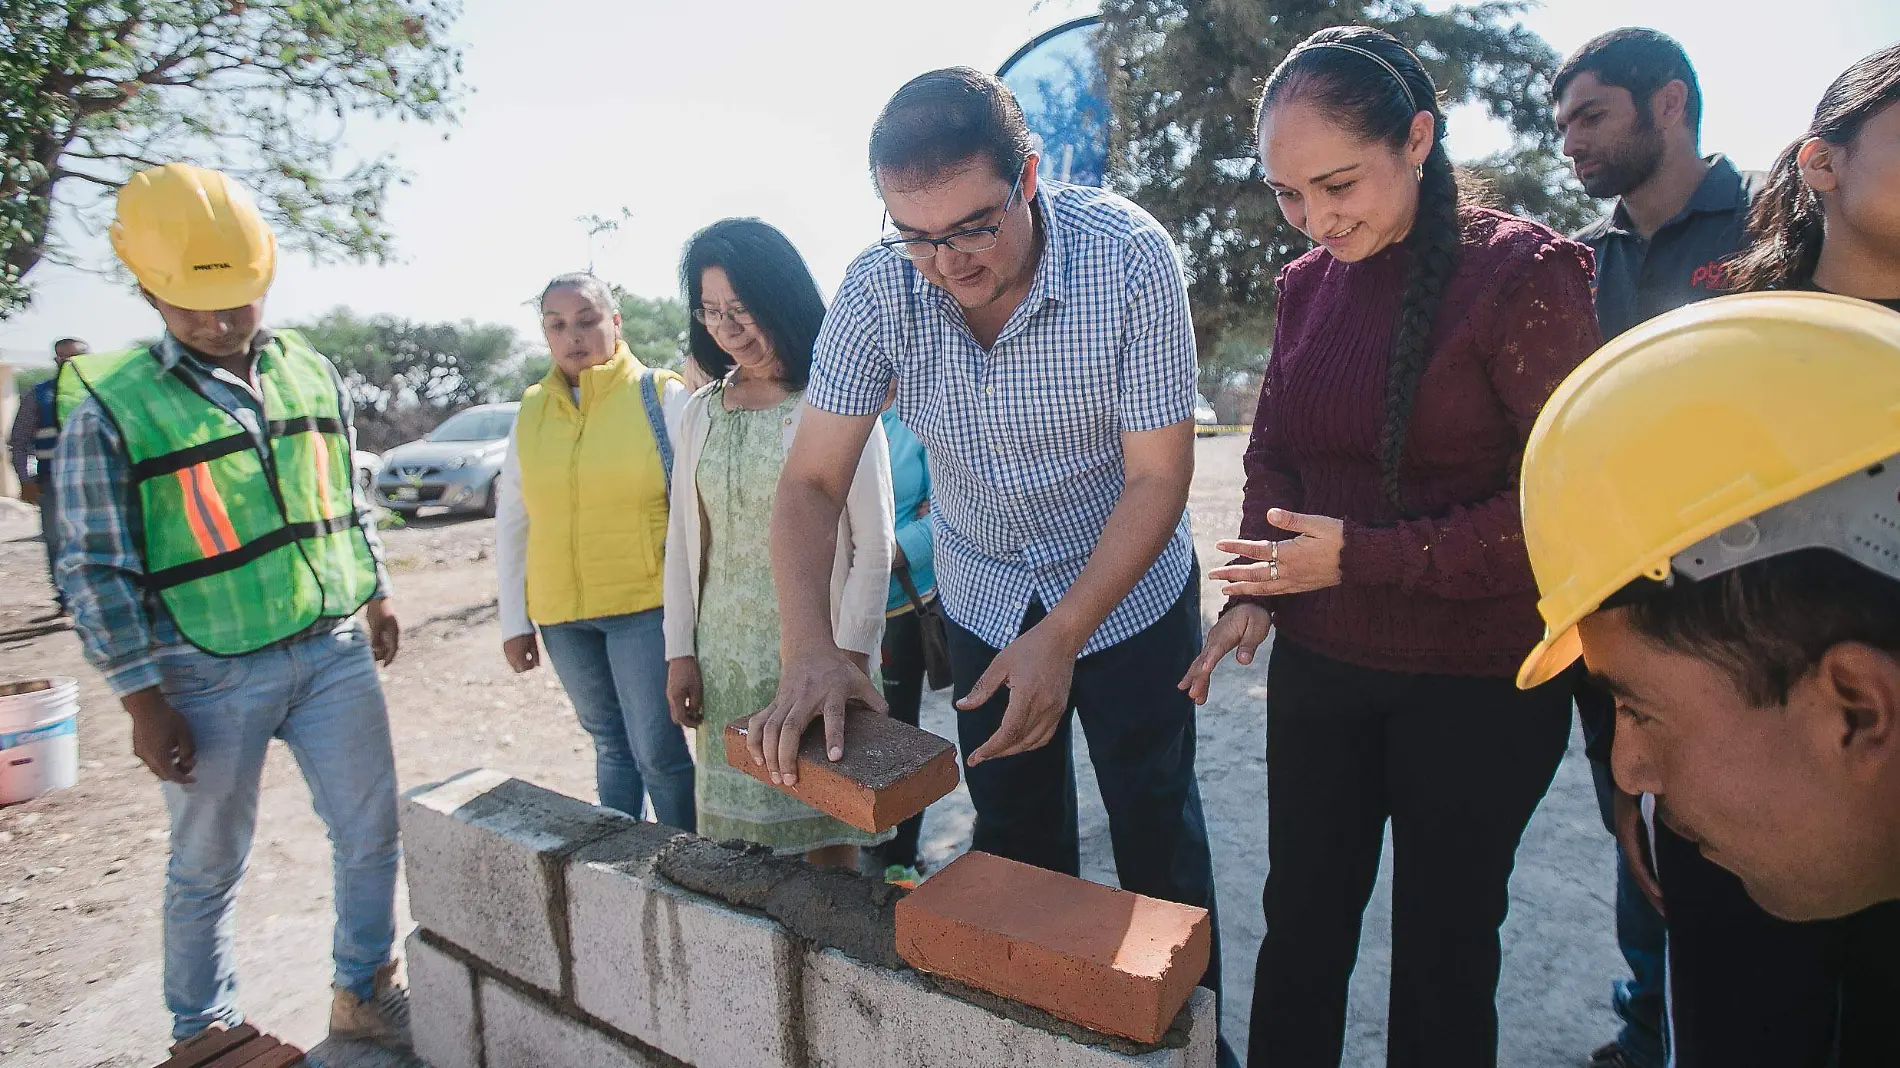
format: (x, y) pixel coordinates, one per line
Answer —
(442, 1018)
(519, 1032)
(861, 1016)
(702, 981)
(484, 855)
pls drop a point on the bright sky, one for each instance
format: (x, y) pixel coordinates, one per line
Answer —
(688, 112)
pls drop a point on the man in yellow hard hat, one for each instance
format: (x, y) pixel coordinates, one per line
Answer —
(215, 555)
(1712, 509)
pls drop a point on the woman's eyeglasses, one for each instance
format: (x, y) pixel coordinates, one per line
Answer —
(712, 318)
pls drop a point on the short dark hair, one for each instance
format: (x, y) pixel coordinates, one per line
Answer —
(1640, 60)
(1767, 624)
(65, 341)
(770, 278)
(940, 121)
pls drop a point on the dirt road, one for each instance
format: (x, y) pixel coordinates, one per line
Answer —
(81, 871)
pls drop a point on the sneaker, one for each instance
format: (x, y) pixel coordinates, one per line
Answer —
(383, 1020)
(1611, 1055)
(903, 875)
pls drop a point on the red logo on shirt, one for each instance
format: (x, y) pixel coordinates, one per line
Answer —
(1711, 275)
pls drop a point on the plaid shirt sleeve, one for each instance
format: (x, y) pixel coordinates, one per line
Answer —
(1158, 370)
(100, 566)
(850, 374)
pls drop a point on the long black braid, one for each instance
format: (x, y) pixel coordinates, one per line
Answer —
(1374, 86)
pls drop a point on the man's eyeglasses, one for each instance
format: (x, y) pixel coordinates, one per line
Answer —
(975, 239)
(711, 318)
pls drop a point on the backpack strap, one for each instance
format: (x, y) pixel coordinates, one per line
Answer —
(656, 418)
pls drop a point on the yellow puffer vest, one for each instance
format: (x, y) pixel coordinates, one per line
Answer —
(595, 488)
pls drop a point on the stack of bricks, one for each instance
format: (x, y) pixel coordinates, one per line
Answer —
(549, 937)
(239, 1047)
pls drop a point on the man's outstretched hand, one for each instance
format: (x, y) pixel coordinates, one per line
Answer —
(819, 684)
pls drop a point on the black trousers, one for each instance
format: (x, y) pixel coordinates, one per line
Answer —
(49, 533)
(1457, 765)
(1746, 988)
(904, 691)
(1140, 733)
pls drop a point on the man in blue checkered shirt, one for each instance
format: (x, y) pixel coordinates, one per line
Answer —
(1043, 352)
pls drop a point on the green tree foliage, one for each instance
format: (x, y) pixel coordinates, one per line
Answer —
(405, 377)
(94, 90)
(1183, 78)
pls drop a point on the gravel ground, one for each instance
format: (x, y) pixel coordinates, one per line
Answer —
(81, 871)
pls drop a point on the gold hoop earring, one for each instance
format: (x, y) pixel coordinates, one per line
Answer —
(1419, 172)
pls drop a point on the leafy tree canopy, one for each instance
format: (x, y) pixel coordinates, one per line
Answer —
(95, 90)
(1183, 77)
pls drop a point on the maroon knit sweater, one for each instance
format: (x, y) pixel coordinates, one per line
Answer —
(1446, 588)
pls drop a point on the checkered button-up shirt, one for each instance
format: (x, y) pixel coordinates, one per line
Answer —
(1024, 440)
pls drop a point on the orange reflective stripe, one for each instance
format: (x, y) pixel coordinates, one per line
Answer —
(322, 446)
(204, 511)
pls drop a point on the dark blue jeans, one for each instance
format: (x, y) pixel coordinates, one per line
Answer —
(1140, 733)
(1640, 931)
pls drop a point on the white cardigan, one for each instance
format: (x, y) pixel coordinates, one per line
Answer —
(860, 569)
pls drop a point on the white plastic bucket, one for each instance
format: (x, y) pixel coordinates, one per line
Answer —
(39, 737)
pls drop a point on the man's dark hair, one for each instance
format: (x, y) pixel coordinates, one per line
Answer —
(940, 121)
(1641, 61)
(1767, 624)
(770, 278)
(65, 341)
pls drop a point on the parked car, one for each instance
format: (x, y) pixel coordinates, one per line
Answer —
(458, 466)
(368, 465)
(1204, 412)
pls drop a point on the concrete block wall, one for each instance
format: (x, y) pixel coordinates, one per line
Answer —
(547, 936)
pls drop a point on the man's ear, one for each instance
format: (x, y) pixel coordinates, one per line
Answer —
(1669, 105)
(1859, 686)
(1815, 158)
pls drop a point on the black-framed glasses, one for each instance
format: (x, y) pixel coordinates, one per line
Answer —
(975, 239)
(711, 318)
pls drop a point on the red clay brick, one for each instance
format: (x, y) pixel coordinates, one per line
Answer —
(891, 771)
(238, 1047)
(1107, 959)
(208, 1046)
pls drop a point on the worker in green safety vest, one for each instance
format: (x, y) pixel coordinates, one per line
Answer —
(215, 556)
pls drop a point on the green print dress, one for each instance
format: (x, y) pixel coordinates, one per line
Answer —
(737, 638)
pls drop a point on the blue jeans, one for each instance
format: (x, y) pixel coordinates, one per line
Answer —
(321, 696)
(1640, 934)
(614, 669)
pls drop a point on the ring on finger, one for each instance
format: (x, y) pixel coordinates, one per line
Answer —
(1273, 570)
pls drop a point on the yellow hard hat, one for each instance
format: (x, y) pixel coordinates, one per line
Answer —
(194, 238)
(1686, 429)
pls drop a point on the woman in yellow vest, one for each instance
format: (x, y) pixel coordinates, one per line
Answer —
(756, 315)
(581, 539)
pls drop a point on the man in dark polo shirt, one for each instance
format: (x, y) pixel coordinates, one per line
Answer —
(1630, 111)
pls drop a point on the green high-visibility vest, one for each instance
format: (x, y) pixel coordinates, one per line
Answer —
(244, 546)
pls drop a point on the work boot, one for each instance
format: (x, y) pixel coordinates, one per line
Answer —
(382, 1020)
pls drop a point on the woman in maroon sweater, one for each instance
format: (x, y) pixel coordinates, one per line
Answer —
(1413, 351)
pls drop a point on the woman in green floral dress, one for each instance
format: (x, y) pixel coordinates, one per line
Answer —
(756, 315)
